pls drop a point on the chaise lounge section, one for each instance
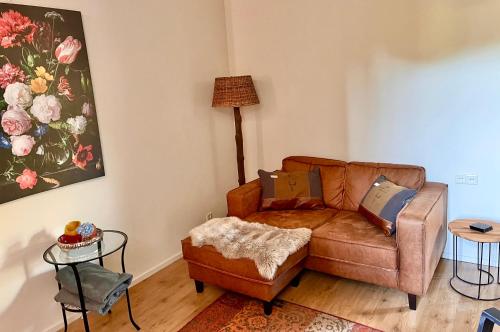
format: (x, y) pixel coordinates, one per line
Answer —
(343, 242)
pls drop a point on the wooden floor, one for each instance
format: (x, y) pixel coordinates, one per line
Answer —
(167, 300)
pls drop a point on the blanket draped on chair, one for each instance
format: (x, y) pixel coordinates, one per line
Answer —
(267, 246)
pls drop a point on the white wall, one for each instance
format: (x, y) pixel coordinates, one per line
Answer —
(169, 156)
(392, 81)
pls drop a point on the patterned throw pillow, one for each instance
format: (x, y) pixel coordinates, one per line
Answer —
(291, 190)
(383, 202)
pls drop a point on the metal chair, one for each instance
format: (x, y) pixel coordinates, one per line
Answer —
(489, 318)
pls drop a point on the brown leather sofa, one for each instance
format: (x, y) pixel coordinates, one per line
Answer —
(343, 242)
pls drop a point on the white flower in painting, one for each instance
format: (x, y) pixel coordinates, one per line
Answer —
(87, 110)
(18, 94)
(77, 124)
(22, 145)
(53, 15)
(46, 108)
(40, 151)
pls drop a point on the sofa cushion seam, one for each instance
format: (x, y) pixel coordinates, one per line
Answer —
(354, 243)
(353, 263)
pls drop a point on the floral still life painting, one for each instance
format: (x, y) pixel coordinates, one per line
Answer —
(49, 135)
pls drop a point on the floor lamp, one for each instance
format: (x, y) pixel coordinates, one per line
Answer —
(236, 91)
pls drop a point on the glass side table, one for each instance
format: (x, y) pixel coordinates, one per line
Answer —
(111, 242)
(460, 229)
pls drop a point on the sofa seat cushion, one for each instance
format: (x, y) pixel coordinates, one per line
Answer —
(349, 237)
(293, 218)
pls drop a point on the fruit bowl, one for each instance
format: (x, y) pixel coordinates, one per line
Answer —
(87, 242)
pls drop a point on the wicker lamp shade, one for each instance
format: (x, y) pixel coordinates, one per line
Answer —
(234, 91)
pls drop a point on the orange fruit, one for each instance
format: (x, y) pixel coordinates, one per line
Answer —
(71, 228)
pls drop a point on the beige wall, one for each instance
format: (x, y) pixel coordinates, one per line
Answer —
(289, 47)
(414, 81)
(168, 155)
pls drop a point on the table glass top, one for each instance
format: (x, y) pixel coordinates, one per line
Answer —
(111, 242)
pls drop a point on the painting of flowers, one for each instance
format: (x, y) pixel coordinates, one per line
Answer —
(49, 136)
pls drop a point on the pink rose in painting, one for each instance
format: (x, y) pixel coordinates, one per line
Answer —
(27, 180)
(82, 156)
(15, 29)
(67, 51)
(22, 145)
(15, 121)
(9, 74)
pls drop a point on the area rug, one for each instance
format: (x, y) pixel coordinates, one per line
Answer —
(233, 312)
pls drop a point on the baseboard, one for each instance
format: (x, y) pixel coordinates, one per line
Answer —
(71, 317)
(156, 268)
(471, 259)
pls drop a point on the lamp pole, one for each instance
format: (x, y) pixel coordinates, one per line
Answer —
(239, 146)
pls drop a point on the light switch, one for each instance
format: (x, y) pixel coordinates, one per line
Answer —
(471, 179)
(460, 179)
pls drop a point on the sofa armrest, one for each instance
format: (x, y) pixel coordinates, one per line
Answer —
(244, 200)
(421, 237)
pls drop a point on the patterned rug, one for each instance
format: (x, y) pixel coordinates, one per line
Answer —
(233, 312)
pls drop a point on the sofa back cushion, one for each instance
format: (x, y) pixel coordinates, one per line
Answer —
(345, 184)
(360, 177)
(332, 171)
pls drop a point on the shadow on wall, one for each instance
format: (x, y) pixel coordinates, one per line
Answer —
(19, 293)
(417, 63)
(420, 30)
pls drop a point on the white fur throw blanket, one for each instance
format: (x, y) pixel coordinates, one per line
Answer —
(267, 246)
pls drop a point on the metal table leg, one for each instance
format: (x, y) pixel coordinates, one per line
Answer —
(62, 305)
(454, 256)
(101, 261)
(82, 299)
(126, 292)
(480, 272)
(480, 258)
(99, 250)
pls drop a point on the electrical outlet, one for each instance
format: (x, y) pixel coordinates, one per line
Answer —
(209, 216)
(471, 179)
(460, 179)
(468, 179)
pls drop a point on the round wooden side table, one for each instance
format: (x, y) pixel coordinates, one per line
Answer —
(460, 229)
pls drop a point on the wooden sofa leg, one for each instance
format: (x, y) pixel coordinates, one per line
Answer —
(268, 308)
(412, 301)
(199, 286)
